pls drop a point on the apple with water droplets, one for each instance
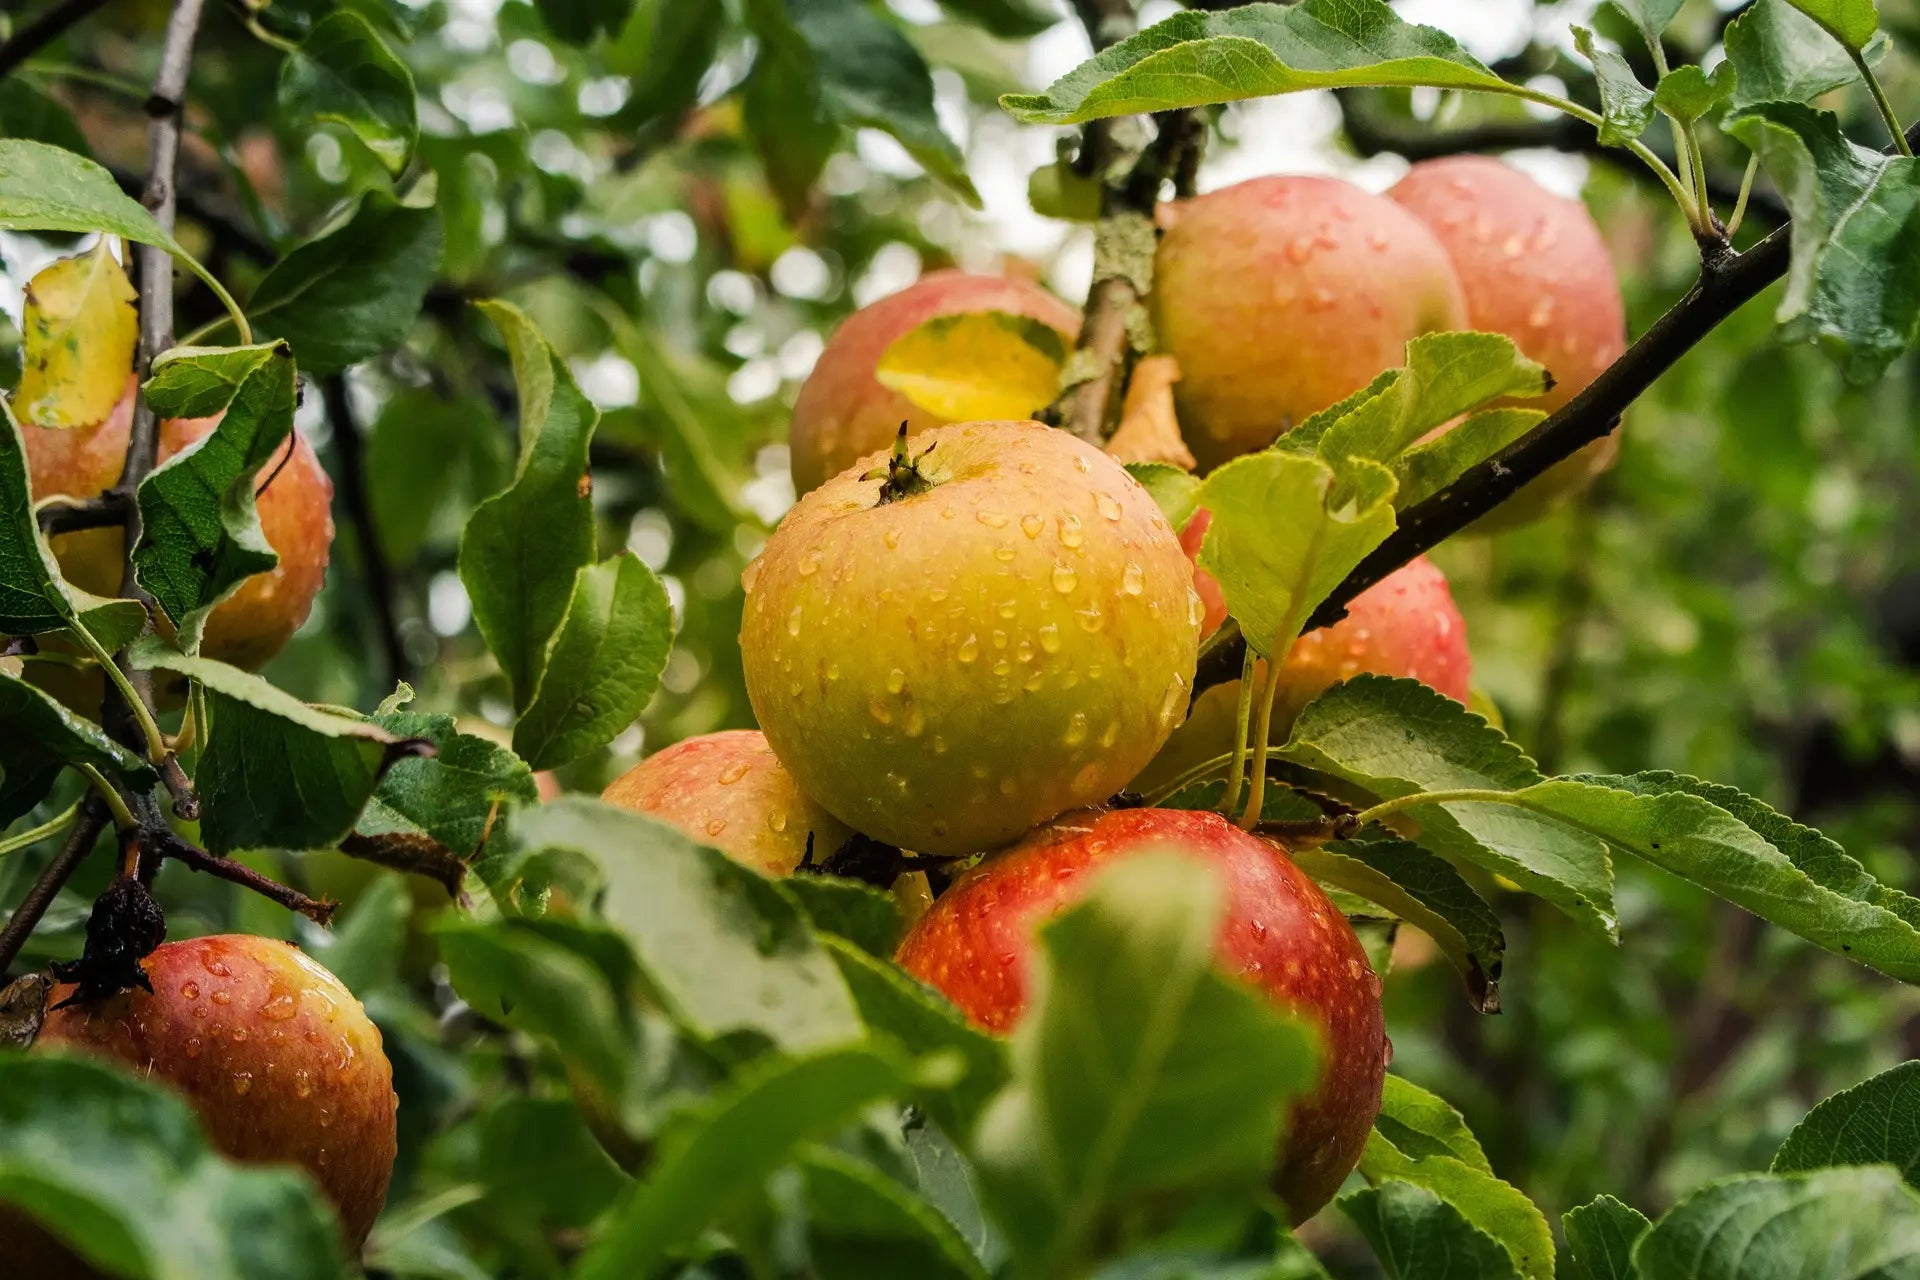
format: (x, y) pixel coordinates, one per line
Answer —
(276, 1056)
(730, 791)
(950, 646)
(1280, 932)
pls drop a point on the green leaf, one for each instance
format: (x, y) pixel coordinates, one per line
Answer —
(344, 73)
(38, 736)
(356, 290)
(1856, 229)
(1140, 1072)
(1786, 874)
(1781, 55)
(1426, 469)
(450, 797)
(44, 188)
(1419, 1236)
(1651, 17)
(602, 665)
(867, 917)
(718, 1157)
(1421, 1124)
(363, 946)
(200, 535)
(726, 953)
(1875, 1122)
(199, 382)
(1398, 737)
(429, 462)
(1851, 22)
(1194, 59)
(1427, 892)
(1626, 105)
(277, 773)
(665, 49)
(976, 365)
(862, 1223)
(1176, 492)
(538, 1154)
(1600, 1239)
(118, 1168)
(25, 112)
(1286, 529)
(1834, 1224)
(579, 21)
(1008, 19)
(1688, 93)
(524, 546)
(1497, 1208)
(894, 1005)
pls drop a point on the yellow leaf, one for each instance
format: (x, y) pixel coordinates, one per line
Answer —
(78, 330)
(1149, 431)
(976, 365)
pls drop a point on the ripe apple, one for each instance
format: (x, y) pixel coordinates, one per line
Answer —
(1404, 625)
(1534, 267)
(278, 1058)
(1281, 295)
(950, 648)
(253, 623)
(729, 790)
(1280, 932)
(842, 414)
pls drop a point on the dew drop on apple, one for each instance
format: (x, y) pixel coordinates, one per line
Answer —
(733, 773)
(896, 680)
(1050, 637)
(191, 991)
(1009, 607)
(991, 519)
(969, 648)
(891, 538)
(221, 997)
(793, 621)
(242, 1082)
(880, 711)
(1072, 534)
(1091, 620)
(1031, 525)
(915, 721)
(716, 825)
(193, 1046)
(810, 563)
(1133, 579)
(1003, 554)
(1064, 578)
(750, 574)
(303, 1083)
(777, 821)
(1108, 505)
(1076, 729)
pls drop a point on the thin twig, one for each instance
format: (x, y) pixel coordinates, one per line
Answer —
(79, 843)
(374, 569)
(44, 30)
(175, 847)
(109, 508)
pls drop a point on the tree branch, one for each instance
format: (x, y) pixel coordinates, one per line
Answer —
(43, 31)
(351, 452)
(110, 508)
(173, 846)
(79, 843)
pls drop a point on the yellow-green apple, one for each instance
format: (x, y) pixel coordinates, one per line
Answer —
(295, 501)
(1281, 295)
(1404, 625)
(1533, 266)
(1280, 932)
(729, 790)
(842, 413)
(950, 646)
(278, 1058)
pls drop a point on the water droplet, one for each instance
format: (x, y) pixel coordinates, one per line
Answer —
(810, 563)
(1298, 250)
(1064, 578)
(1109, 506)
(750, 575)
(896, 680)
(915, 722)
(240, 1035)
(303, 1083)
(969, 648)
(1050, 637)
(793, 621)
(1009, 607)
(193, 1046)
(1072, 534)
(833, 672)
(242, 1082)
(1259, 930)
(1034, 682)
(892, 539)
(1076, 730)
(1003, 554)
(991, 519)
(716, 825)
(1377, 242)
(1133, 580)
(221, 997)
(1024, 651)
(734, 772)
(1091, 620)
(1321, 299)
(1031, 525)
(215, 966)
(937, 594)
(777, 821)
(1111, 734)
(1542, 314)
(324, 1159)
(880, 711)
(191, 991)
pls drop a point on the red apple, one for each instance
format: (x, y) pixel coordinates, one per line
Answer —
(278, 1058)
(1534, 267)
(843, 414)
(730, 791)
(1281, 295)
(1404, 625)
(950, 650)
(1280, 932)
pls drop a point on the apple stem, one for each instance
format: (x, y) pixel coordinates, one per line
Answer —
(904, 478)
(1237, 772)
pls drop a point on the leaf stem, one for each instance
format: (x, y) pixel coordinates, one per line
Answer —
(1237, 771)
(136, 706)
(1680, 191)
(1257, 792)
(34, 835)
(1881, 101)
(109, 796)
(1746, 190)
(1481, 795)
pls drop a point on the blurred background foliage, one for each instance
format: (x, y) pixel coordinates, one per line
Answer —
(1738, 599)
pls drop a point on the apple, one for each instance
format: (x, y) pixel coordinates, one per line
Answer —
(730, 791)
(842, 414)
(278, 1058)
(1404, 625)
(1280, 932)
(1279, 296)
(950, 647)
(1534, 267)
(252, 624)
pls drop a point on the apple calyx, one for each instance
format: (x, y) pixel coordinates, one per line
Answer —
(124, 928)
(902, 475)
